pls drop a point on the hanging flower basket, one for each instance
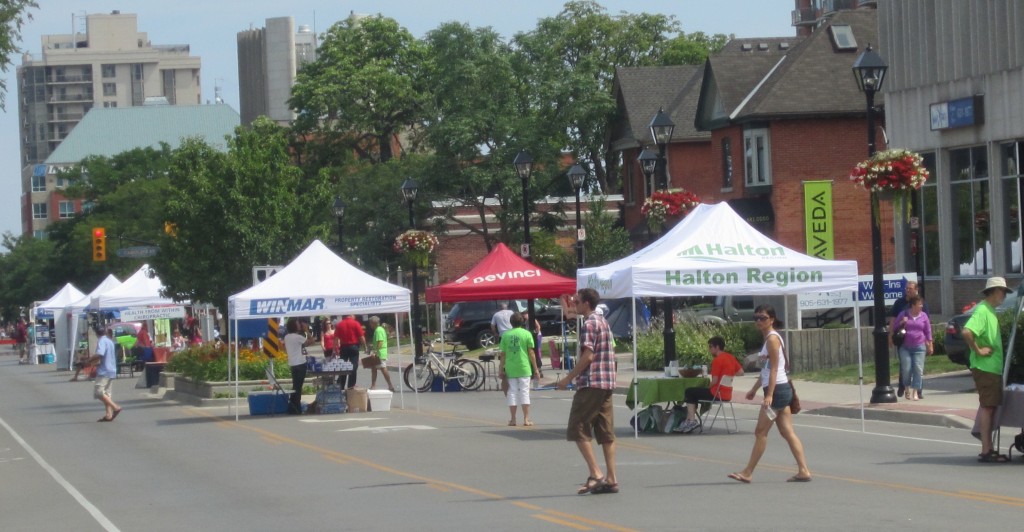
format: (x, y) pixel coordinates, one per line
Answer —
(665, 204)
(416, 246)
(891, 175)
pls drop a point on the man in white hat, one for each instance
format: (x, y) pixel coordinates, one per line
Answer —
(981, 333)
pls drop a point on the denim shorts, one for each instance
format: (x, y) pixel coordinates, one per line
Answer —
(783, 395)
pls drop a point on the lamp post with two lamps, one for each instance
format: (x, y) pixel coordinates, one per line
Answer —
(661, 131)
(523, 164)
(339, 213)
(576, 177)
(409, 191)
(869, 70)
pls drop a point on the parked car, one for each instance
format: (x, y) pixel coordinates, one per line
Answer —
(956, 348)
(469, 322)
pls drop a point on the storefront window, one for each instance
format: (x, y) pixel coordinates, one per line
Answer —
(1010, 171)
(929, 212)
(971, 199)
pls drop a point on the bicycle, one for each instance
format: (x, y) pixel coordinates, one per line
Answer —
(420, 374)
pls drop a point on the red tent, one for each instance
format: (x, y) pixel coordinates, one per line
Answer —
(502, 275)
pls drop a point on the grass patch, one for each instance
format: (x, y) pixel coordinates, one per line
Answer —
(933, 365)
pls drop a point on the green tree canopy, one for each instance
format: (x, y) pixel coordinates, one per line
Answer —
(13, 15)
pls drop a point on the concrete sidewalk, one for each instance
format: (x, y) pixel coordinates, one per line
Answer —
(949, 399)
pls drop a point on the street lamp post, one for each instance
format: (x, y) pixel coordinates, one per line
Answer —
(869, 70)
(339, 213)
(661, 131)
(576, 176)
(409, 191)
(524, 167)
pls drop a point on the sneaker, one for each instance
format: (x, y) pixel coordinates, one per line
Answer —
(688, 427)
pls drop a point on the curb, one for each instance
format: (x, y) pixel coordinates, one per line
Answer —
(894, 416)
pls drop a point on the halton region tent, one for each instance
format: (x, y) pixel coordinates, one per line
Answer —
(713, 251)
(53, 308)
(502, 275)
(316, 283)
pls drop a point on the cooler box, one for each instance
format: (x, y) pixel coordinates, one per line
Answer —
(356, 399)
(46, 359)
(380, 400)
(440, 385)
(262, 404)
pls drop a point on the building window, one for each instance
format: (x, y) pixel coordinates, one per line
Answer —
(928, 207)
(727, 163)
(39, 234)
(628, 185)
(971, 216)
(1010, 155)
(67, 209)
(170, 86)
(38, 183)
(39, 211)
(756, 158)
(110, 89)
(108, 105)
(109, 71)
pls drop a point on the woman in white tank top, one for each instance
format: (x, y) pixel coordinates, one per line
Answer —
(778, 393)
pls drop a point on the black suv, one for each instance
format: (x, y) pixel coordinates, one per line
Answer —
(469, 322)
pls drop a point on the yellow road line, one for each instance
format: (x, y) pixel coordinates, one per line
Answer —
(561, 522)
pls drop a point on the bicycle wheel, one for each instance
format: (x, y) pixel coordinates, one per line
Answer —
(471, 374)
(419, 377)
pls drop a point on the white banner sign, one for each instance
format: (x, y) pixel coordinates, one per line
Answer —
(893, 288)
(156, 313)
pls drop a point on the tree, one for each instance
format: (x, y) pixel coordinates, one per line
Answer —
(13, 15)
(363, 90)
(236, 210)
(25, 274)
(607, 239)
(692, 48)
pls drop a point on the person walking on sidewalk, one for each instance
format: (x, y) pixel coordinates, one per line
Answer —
(982, 336)
(517, 367)
(380, 348)
(899, 306)
(591, 413)
(916, 345)
(106, 357)
(778, 394)
(21, 340)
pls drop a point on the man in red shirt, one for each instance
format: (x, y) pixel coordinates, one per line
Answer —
(350, 336)
(724, 365)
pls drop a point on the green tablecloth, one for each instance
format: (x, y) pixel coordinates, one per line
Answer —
(662, 390)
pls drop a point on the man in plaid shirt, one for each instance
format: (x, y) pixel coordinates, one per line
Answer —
(591, 412)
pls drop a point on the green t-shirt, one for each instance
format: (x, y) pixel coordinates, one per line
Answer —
(985, 326)
(516, 344)
(380, 342)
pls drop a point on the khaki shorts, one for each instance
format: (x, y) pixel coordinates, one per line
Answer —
(990, 387)
(591, 413)
(102, 387)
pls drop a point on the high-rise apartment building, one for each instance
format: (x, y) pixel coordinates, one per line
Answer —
(268, 59)
(112, 64)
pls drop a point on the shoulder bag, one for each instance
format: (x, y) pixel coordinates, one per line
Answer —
(900, 334)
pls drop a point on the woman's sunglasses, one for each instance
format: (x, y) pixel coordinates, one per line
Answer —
(761, 318)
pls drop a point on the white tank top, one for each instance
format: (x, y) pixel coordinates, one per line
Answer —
(765, 362)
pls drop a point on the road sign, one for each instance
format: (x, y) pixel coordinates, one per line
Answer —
(137, 252)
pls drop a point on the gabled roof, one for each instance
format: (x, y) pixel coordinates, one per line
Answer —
(809, 78)
(110, 131)
(641, 91)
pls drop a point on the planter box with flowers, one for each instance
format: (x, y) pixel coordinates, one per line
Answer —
(416, 246)
(672, 204)
(891, 175)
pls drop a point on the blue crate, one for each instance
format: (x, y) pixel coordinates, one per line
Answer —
(440, 385)
(262, 404)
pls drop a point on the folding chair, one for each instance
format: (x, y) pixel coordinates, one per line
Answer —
(717, 401)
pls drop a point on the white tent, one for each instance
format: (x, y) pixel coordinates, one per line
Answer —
(54, 307)
(317, 283)
(140, 290)
(713, 251)
(74, 312)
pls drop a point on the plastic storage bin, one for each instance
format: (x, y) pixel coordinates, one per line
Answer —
(262, 404)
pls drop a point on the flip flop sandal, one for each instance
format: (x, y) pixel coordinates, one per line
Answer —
(116, 412)
(527, 423)
(796, 478)
(589, 485)
(994, 458)
(605, 487)
(104, 419)
(739, 477)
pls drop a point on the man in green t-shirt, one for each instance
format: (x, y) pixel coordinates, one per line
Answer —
(380, 348)
(981, 333)
(517, 367)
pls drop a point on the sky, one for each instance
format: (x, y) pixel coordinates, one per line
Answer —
(210, 29)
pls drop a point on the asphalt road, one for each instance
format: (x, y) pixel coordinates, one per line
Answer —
(455, 465)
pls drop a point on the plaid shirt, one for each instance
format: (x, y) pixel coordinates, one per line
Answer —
(597, 336)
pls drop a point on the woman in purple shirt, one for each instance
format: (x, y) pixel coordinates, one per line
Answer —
(917, 344)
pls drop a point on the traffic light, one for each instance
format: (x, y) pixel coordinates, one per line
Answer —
(99, 244)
